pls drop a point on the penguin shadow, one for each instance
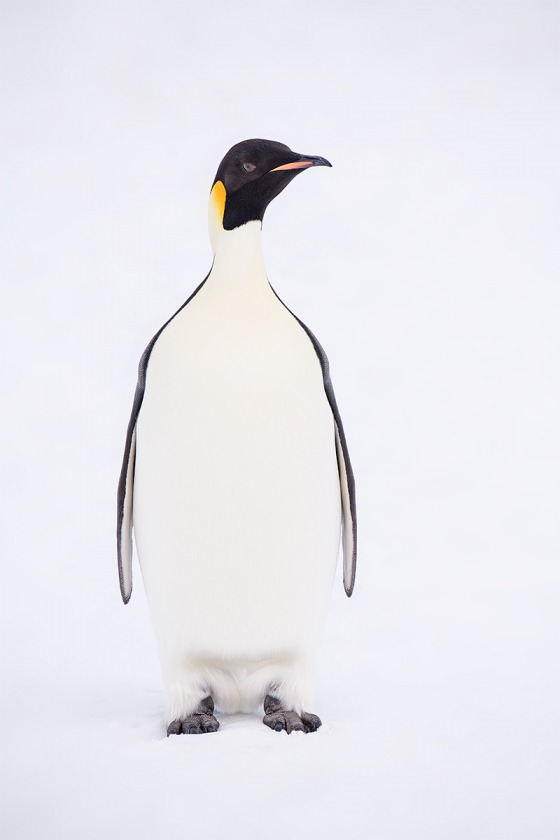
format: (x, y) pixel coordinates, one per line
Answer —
(138, 715)
(253, 722)
(250, 726)
(247, 726)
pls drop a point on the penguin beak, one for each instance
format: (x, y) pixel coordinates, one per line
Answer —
(305, 162)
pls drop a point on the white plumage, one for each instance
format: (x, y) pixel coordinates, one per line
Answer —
(236, 492)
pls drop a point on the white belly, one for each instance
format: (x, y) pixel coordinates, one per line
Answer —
(236, 493)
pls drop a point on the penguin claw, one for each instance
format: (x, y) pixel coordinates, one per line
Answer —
(280, 719)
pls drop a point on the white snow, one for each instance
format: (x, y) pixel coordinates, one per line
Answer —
(427, 263)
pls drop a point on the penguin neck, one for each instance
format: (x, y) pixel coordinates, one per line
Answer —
(239, 258)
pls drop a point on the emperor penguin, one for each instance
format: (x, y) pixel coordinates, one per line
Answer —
(236, 477)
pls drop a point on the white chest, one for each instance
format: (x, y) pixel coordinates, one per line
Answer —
(236, 474)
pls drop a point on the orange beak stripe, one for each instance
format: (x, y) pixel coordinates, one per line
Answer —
(300, 164)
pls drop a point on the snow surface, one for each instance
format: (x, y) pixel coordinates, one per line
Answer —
(427, 262)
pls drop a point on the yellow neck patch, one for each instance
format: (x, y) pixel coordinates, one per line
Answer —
(218, 199)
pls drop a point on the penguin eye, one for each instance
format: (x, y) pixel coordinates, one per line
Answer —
(249, 167)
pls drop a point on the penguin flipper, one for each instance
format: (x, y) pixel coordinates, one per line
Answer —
(124, 512)
(348, 498)
(346, 476)
(125, 493)
(345, 472)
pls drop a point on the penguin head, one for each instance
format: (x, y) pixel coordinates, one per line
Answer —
(251, 174)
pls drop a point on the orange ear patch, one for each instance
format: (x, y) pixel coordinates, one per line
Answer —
(219, 199)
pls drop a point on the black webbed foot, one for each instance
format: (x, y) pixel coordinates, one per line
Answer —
(200, 721)
(278, 718)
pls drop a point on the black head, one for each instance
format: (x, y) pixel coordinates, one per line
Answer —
(251, 175)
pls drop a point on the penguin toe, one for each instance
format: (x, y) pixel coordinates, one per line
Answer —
(206, 706)
(311, 723)
(293, 723)
(209, 723)
(275, 721)
(175, 728)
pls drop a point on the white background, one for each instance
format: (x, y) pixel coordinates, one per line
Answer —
(427, 262)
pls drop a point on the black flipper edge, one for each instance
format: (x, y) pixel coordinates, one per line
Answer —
(346, 474)
(125, 493)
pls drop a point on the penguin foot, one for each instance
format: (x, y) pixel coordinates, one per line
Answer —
(278, 718)
(200, 721)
